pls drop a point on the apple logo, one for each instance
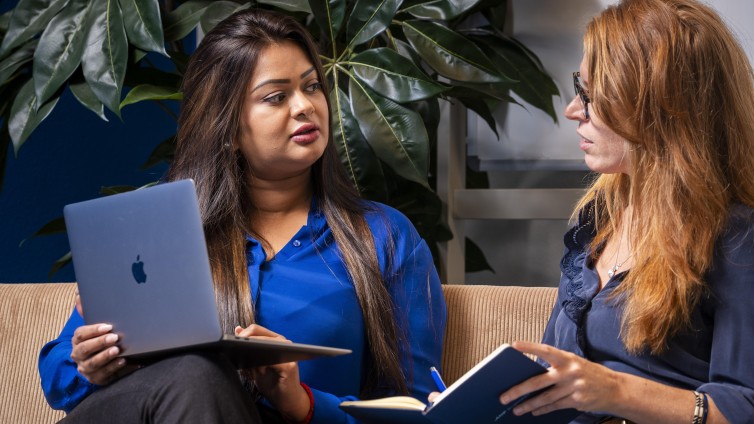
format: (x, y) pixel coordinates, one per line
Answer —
(137, 268)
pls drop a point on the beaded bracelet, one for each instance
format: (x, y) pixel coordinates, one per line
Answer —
(700, 408)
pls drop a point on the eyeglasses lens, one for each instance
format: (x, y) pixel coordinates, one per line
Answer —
(579, 89)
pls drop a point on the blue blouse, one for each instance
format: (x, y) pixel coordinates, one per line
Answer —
(713, 356)
(305, 294)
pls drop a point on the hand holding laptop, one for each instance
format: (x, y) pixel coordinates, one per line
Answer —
(95, 352)
(279, 383)
(99, 366)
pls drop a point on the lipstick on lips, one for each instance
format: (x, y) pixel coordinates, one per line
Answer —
(584, 143)
(305, 134)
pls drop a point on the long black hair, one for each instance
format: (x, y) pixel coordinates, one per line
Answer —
(214, 88)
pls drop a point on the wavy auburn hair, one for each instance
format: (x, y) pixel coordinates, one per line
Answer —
(214, 89)
(669, 77)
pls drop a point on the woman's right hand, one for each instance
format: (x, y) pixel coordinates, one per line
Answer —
(96, 354)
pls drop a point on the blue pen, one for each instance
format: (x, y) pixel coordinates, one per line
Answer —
(438, 380)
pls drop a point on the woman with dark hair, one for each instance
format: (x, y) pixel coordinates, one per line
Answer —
(653, 321)
(294, 250)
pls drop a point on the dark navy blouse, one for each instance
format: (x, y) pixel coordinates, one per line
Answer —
(715, 355)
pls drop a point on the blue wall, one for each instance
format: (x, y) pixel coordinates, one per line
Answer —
(70, 156)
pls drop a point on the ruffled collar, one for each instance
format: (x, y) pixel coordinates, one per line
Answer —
(577, 240)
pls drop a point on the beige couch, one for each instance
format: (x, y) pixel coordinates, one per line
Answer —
(480, 318)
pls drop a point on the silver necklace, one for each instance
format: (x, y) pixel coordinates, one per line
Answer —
(614, 269)
(611, 272)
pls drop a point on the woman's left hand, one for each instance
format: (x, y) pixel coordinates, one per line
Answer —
(573, 382)
(278, 383)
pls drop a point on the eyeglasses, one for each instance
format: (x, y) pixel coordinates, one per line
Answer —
(579, 89)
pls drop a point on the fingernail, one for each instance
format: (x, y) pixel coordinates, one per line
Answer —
(105, 327)
(121, 362)
(111, 338)
(504, 400)
(113, 351)
(517, 411)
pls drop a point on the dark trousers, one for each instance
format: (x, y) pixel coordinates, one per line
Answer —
(190, 388)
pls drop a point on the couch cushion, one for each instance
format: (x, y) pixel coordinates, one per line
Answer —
(482, 317)
(32, 314)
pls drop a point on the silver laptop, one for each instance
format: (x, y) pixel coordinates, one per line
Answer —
(141, 263)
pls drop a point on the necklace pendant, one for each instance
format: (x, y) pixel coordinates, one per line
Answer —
(612, 271)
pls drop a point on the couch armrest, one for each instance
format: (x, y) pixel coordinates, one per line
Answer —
(481, 318)
(32, 314)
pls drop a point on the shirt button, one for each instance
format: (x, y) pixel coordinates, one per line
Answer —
(296, 243)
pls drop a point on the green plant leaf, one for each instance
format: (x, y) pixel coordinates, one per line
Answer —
(24, 115)
(141, 19)
(395, 133)
(180, 60)
(483, 110)
(477, 179)
(393, 76)
(117, 189)
(181, 21)
(530, 54)
(490, 91)
(29, 17)
(496, 12)
(449, 53)
(423, 207)
(475, 259)
(164, 152)
(8, 93)
(56, 226)
(478, 102)
(106, 54)
(60, 48)
(329, 15)
(86, 97)
(16, 60)
(138, 55)
(369, 18)
(406, 201)
(429, 110)
(137, 75)
(535, 86)
(404, 49)
(358, 159)
(218, 11)
(5, 22)
(441, 9)
(60, 263)
(4, 144)
(289, 5)
(150, 92)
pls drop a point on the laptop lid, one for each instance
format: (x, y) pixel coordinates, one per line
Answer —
(141, 263)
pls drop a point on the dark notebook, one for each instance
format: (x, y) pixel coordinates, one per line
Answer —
(473, 398)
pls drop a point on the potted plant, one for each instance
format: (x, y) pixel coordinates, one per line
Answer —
(389, 63)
